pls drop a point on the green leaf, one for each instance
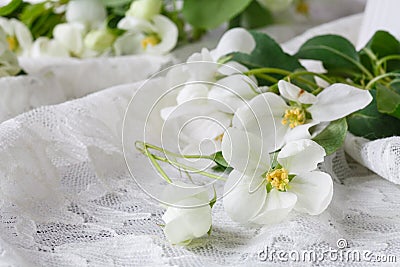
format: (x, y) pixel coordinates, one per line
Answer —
(255, 16)
(382, 44)
(214, 199)
(10, 8)
(337, 54)
(31, 13)
(372, 124)
(388, 101)
(332, 137)
(209, 14)
(219, 159)
(267, 54)
(395, 85)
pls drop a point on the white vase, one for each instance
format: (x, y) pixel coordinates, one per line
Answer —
(379, 15)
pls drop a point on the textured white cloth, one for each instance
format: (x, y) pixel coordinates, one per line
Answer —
(53, 81)
(67, 199)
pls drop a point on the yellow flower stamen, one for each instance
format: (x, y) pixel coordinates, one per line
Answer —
(12, 43)
(294, 117)
(150, 40)
(219, 138)
(278, 178)
(303, 8)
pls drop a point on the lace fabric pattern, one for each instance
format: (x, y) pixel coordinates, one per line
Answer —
(67, 199)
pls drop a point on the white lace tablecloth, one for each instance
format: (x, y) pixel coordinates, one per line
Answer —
(67, 199)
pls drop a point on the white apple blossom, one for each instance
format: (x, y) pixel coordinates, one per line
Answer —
(8, 60)
(189, 215)
(90, 13)
(71, 37)
(271, 115)
(18, 36)
(157, 36)
(263, 191)
(209, 94)
(45, 47)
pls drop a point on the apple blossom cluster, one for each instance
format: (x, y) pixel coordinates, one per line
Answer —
(265, 137)
(85, 33)
(8, 60)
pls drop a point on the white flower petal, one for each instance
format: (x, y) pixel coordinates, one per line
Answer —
(242, 199)
(185, 224)
(168, 33)
(301, 156)
(128, 44)
(136, 25)
(209, 126)
(192, 92)
(338, 101)
(234, 40)
(300, 132)
(200, 68)
(44, 47)
(245, 151)
(7, 26)
(232, 67)
(277, 206)
(314, 191)
(90, 12)
(232, 92)
(70, 36)
(262, 116)
(22, 34)
(294, 93)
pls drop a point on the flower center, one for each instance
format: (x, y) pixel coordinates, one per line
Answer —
(12, 43)
(219, 138)
(294, 116)
(278, 178)
(150, 40)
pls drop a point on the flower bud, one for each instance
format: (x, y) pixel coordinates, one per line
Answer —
(144, 9)
(99, 40)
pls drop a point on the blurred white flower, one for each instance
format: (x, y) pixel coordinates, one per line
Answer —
(158, 36)
(8, 60)
(18, 36)
(258, 191)
(270, 115)
(71, 37)
(189, 217)
(275, 5)
(91, 13)
(45, 47)
(144, 9)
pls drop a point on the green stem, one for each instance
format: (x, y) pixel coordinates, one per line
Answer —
(373, 81)
(188, 168)
(166, 152)
(387, 58)
(268, 70)
(144, 148)
(319, 75)
(157, 166)
(266, 77)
